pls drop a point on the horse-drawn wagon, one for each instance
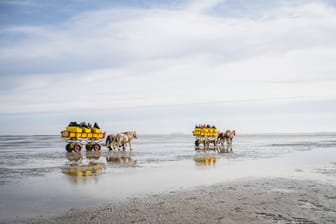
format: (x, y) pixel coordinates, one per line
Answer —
(212, 139)
(205, 135)
(78, 135)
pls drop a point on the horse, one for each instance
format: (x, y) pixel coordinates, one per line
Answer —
(124, 138)
(226, 136)
(111, 141)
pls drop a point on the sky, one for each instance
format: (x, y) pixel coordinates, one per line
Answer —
(160, 67)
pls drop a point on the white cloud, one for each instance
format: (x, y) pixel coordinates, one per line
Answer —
(164, 83)
(145, 34)
(123, 58)
(200, 6)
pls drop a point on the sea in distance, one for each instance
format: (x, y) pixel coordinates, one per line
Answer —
(39, 178)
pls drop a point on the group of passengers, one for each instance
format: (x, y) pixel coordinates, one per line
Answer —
(83, 125)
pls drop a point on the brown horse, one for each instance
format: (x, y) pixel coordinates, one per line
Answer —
(111, 141)
(226, 136)
(125, 138)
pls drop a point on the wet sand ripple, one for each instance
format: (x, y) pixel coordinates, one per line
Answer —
(245, 201)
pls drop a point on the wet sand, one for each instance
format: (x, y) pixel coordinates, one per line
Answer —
(262, 200)
(267, 179)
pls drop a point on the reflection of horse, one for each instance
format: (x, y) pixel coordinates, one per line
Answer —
(123, 157)
(226, 136)
(225, 148)
(125, 138)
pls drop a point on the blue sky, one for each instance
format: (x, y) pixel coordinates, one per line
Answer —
(163, 66)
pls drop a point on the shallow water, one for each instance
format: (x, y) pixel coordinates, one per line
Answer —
(35, 170)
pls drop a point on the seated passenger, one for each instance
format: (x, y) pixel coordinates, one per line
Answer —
(96, 125)
(83, 125)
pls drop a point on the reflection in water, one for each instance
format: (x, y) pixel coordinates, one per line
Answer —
(79, 166)
(205, 159)
(84, 169)
(120, 157)
(93, 155)
(73, 156)
(206, 148)
(222, 148)
(209, 155)
(225, 148)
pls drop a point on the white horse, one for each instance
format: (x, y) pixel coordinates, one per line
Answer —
(125, 138)
(226, 136)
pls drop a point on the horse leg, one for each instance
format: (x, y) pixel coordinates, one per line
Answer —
(130, 145)
(108, 143)
(215, 146)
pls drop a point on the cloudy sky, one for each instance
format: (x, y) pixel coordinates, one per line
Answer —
(163, 66)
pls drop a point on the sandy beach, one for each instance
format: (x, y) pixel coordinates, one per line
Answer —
(244, 201)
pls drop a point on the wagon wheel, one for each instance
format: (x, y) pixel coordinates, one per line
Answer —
(96, 147)
(89, 147)
(206, 142)
(68, 147)
(197, 143)
(78, 148)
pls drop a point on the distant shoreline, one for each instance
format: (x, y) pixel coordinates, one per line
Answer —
(186, 134)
